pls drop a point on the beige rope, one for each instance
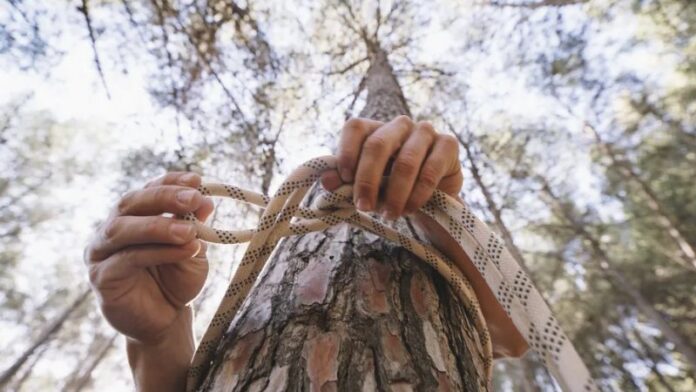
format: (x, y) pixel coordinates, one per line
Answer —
(283, 217)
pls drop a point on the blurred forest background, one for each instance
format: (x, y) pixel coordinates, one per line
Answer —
(577, 124)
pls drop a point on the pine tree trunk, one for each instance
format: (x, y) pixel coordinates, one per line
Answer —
(344, 310)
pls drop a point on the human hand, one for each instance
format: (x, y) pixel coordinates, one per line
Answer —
(144, 267)
(423, 160)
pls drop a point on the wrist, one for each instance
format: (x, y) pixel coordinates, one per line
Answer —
(161, 364)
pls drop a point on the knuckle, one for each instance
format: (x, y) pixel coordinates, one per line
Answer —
(152, 227)
(354, 124)
(364, 187)
(89, 254)
(95, 276)
(428, 177)
(404, 120)
(160, 194)
(405, 165)
(427, 127)
(450, 141)
(172, 177)
(186, 178)
(125, 202)
(376, 145)
(110, 229)
(345, 159)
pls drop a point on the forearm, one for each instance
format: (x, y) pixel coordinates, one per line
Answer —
(162, 365)
(507, 341)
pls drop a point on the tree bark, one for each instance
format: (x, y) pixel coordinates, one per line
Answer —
(344, 310)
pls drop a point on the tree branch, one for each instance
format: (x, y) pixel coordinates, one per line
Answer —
(534, 5)
(84, 10)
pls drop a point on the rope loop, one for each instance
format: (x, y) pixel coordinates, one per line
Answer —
(284, 216)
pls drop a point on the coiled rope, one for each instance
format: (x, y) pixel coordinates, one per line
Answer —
(283, 216)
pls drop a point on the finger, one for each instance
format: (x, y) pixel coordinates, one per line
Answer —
(202, 251)
(354, 133)
(207, 207)
(374, 155)
(438, 164)
(123, 264)
(330, 180)
(189, 179)
(406, 167)
(158, 200)
(125, 231)
(452, 184)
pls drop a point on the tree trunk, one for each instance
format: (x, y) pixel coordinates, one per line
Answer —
(18, 382)
(682, 344)
(344, 310)
(43, 338)
(96, 352)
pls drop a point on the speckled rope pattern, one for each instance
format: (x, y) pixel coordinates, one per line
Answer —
(283, 216)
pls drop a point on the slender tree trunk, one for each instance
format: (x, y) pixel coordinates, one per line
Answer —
(662, 217)
(96, 353)
(44, 337)
(81, 382)
(344, 310)
(681, 343)
(18, 382)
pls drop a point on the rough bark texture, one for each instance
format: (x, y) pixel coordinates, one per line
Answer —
(344, 310)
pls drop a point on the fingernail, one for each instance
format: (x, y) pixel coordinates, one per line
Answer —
(187, 178)
(346, 175)
(186, 196)
(363, 204)
(181, 230)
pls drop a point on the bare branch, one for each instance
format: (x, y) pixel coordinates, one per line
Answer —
(535, 4)
(349, 66)
(84, 9)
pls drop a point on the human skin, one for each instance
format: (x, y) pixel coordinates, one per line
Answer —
(146, 269)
